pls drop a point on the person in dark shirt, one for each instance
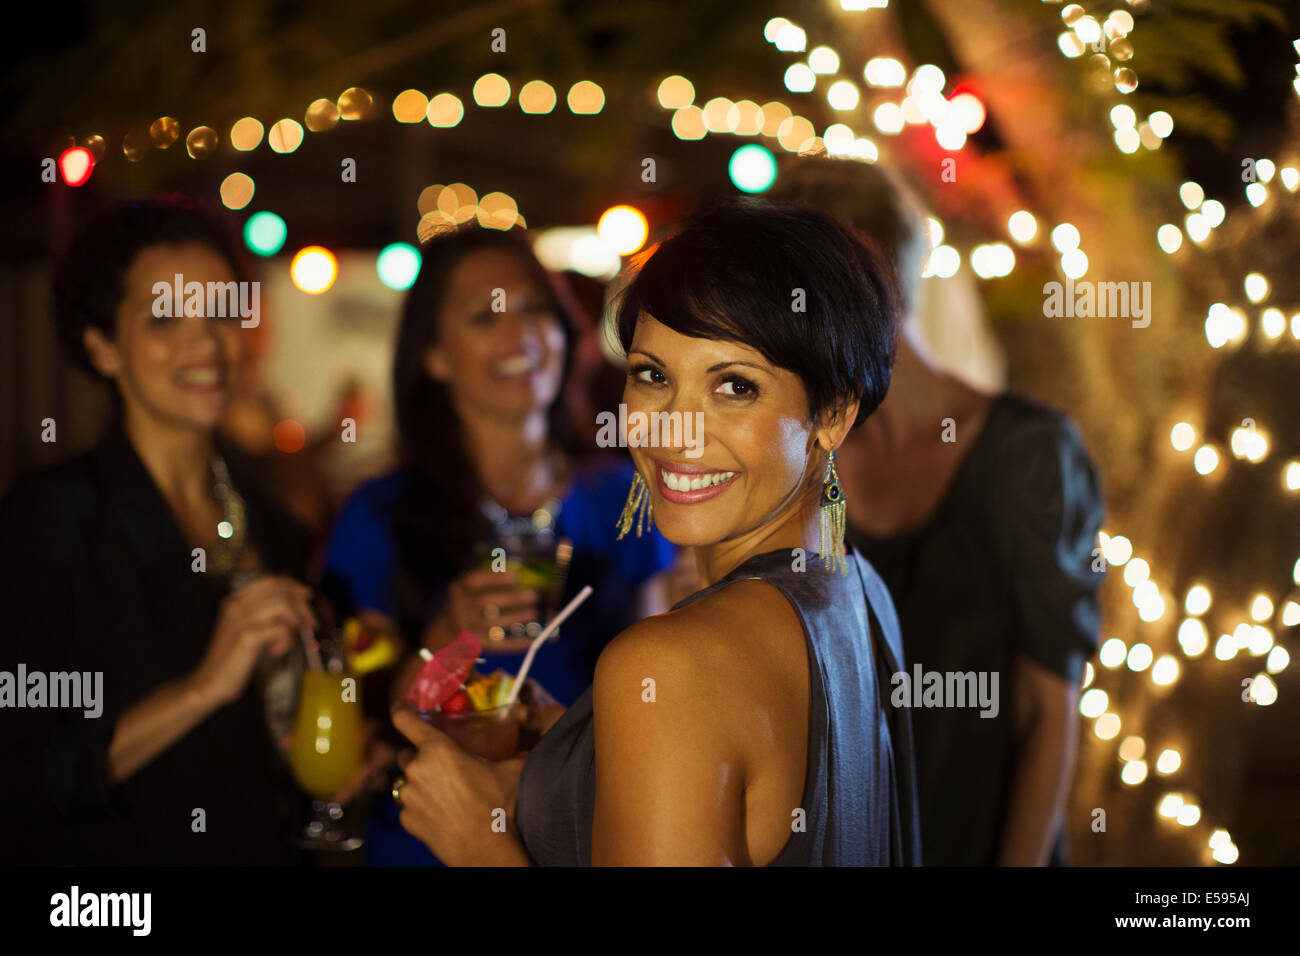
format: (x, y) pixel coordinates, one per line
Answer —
(981, 513)
(122, 563)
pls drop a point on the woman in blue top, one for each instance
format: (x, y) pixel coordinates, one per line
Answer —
(490, 458)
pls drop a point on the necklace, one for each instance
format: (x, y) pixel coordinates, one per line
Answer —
(232, 528)
(513, 527)
(541, 523)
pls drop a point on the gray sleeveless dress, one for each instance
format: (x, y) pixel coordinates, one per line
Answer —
(860, 784)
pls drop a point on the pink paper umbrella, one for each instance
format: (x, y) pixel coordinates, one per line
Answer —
(445, 672)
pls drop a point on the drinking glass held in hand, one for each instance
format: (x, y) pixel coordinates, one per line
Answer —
(500, 732)
(480, 601)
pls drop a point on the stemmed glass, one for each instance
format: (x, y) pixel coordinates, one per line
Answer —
(326, 753)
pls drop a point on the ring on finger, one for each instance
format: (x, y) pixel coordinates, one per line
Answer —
(398, 784)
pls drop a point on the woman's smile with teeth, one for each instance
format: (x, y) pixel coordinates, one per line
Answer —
(694, 482)
(516, 365)
(199, 376)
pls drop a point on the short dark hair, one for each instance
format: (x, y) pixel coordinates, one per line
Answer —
(89, 275)
(868, 197)
(732, 273)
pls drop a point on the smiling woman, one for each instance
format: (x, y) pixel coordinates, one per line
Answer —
(109, 322)
(749, 725)
(136, 561)
(768, 322)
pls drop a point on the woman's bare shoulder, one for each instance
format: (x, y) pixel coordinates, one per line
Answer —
(723, 641)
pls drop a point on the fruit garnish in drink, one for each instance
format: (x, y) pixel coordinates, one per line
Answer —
(503, 688)
(458, 703)
(482, 691)
(367, 650)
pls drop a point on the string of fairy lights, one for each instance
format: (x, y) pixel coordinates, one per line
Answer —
(439, 207)
(1225, 326)
(955, 117)
(900, 98)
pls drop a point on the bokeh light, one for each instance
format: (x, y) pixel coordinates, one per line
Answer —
(445, 110)
(75, 165)
(537, 97)
(354, 103)
(884, 71)
(674, 92)
(202, 142)
(314, 269)
(246, 134)
(289, 436)
(623, 229)
(1022, 226)
(265, 233)
(164, 131)
(285, 136)
(322, 115)
(491, 90)
(237, 190)
(586, 98)
(752, 168)
(410, 106)
(398, 264)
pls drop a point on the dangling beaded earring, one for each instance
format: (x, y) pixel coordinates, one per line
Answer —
(832, 520)
(637, 509)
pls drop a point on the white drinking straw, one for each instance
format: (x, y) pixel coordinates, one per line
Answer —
(541, 638)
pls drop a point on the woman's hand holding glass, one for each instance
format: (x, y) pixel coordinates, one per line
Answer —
(480, 601)
(460, 806)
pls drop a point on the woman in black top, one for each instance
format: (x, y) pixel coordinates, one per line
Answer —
(981, 514)
(120, 563)
(750, 724)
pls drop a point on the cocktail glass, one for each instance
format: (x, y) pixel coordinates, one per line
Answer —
(491, 734)
(326, 754)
